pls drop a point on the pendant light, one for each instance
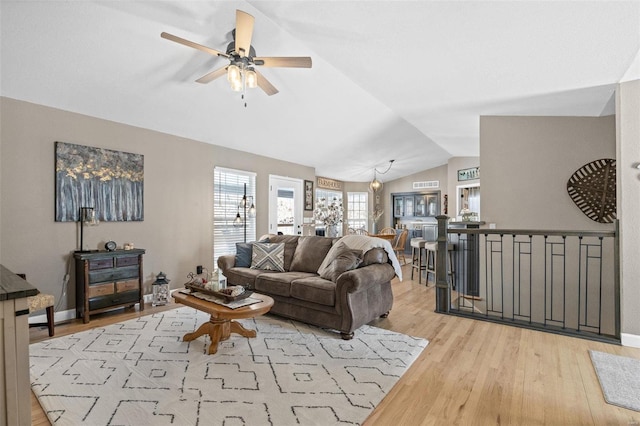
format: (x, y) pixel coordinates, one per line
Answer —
(376, 185)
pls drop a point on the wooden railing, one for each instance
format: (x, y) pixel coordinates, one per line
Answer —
(559, 281)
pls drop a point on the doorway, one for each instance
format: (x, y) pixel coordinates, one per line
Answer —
(285, 205)
(468, 198)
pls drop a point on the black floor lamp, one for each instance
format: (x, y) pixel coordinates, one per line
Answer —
(247, 210)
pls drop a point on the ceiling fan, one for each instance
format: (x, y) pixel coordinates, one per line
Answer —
(241, 71)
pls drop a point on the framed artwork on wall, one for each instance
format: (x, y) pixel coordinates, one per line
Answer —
(308, 195)
(469, 174)
(111, 182)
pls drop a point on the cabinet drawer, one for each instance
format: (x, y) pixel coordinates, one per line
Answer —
(100, 263)
(100, 290)
(119, 274)
(113, 299)
(127, 285)
(126, 261)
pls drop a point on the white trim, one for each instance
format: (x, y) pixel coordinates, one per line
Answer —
(276, 182)
(631, 340)
(69, 314)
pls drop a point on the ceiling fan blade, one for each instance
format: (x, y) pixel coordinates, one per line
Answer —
(290, 62)
(192, 44)
(207, 78)
(265, 85)
(244, 32)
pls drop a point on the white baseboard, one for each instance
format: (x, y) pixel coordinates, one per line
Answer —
(632, 340)
(69, 314)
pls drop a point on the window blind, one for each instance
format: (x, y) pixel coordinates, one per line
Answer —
(228, 191)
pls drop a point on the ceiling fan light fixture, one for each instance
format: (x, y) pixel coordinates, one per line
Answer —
(233, 74)
(251, 78)
(236, 85)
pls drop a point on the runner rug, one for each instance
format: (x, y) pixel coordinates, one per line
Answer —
(140, 372)
(619, 378)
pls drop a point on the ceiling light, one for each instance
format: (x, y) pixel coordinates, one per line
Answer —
(236, 85)
(233, 74)
(251, 78)
(376, 184)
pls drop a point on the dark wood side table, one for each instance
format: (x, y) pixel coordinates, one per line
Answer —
(107, 280)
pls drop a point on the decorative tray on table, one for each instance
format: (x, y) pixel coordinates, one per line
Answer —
(221, 293)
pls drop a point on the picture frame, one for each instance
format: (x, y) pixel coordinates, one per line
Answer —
(308, 195)
(111, 182)
(469, 174)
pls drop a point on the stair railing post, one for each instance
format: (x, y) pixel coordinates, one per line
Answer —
(443, 294)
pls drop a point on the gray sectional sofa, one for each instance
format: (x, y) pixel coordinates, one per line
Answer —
(321, 281)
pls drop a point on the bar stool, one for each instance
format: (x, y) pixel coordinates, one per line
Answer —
(431, 251)
(418, 257)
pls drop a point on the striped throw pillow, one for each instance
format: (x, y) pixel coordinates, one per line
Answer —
(268, 256)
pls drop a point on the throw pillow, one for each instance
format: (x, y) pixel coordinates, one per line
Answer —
(336, 247)
(268, 256)
(243, 255)
(345, 260)
(244, 252)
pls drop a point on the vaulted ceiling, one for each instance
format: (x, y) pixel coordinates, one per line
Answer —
(402, 80)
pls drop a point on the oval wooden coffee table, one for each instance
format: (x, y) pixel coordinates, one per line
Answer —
(222, 324)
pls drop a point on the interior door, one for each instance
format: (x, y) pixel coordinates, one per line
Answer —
(286, 198)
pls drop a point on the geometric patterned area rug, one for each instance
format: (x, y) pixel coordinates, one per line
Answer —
(619, 378)
(140, 372)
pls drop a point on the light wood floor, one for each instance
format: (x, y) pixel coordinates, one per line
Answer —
(471, 373)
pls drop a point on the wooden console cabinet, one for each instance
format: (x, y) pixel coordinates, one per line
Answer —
(107, 280)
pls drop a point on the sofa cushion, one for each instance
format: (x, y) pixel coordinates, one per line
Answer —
(244, 276)
(280, 283)
(314, 289)
(268, 256)
(344, 260)
(310, 253)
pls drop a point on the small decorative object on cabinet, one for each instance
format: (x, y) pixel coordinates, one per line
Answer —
(160, 290)
(107, 280)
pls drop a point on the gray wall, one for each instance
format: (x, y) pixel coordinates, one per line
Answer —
(526, 163)
(177, 230)
(628, 135)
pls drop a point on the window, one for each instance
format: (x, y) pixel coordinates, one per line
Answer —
(357, 210)
(326, 197)
(228, 190)
(285, 212)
